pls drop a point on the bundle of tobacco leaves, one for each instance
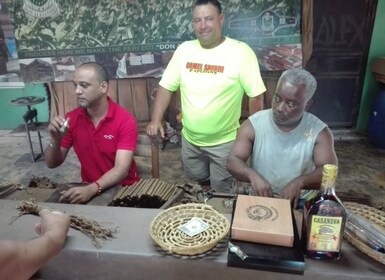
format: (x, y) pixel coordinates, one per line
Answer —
(89, 227)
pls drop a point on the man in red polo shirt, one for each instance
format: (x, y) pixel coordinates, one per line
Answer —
(103, 134)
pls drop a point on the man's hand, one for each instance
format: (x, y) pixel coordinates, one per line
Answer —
(20, 260)
(261, 186)
(79, 195)
(292, 191)
(52, 221)
(153, 128)
(54, 127)
(54, 130)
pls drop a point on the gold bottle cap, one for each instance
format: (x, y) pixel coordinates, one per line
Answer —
(330, 170)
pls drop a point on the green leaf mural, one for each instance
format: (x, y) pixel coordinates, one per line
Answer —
(49, 28)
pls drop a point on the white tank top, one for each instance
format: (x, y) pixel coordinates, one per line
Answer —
(282, 156)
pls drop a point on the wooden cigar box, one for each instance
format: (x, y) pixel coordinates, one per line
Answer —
(263, 220)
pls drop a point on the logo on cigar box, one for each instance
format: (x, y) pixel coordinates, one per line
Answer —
(260, 212)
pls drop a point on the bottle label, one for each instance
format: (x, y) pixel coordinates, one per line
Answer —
(324, 233)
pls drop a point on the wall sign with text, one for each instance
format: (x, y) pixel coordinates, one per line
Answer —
(136, 38)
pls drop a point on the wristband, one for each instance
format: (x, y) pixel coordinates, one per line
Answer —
(99, 188)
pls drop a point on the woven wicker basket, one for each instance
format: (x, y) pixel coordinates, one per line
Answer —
(376, 217)
(164, 229)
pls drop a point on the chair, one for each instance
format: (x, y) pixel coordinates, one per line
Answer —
(147, 156)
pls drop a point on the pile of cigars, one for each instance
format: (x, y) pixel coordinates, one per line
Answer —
(146, 193)
(155, 193)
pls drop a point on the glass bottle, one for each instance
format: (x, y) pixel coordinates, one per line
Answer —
(324, 220)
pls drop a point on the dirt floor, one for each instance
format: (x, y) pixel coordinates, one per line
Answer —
(361, 166)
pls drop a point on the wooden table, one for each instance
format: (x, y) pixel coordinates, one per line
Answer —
(52, 195)
(133, 254)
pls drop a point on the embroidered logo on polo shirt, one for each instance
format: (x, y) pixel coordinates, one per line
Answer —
(109, 137)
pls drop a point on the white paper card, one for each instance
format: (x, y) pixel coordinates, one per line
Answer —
(193, 227)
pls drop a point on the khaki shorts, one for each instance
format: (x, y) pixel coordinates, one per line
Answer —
(208, 163)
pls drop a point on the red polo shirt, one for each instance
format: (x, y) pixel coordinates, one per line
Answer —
(96, 146)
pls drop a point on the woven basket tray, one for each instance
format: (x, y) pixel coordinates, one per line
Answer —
(164, 229)
(376, 217)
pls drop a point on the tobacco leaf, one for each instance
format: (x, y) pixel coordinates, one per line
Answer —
(89, 227)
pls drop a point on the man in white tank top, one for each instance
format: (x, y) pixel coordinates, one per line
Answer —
(287, 146)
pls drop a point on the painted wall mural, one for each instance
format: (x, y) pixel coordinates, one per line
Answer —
(136, 38)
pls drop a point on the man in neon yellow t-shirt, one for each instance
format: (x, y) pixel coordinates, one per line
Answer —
(212, 73)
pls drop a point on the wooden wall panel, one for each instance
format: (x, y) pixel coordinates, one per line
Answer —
(270, 79)
(70, 97)
(140, 100)
(152, 87)
(125, 95)
(53, 106)
(113, 90)
(63, 98)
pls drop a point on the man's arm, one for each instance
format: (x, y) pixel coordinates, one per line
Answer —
(20, 260)
(237, 161)
(255, 104)
(251, 79)
(54, 155)
(323, 153)
(83, 194)
(240, 152)
(162, 101)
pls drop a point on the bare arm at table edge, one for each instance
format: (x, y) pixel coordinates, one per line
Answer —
(162, 101)
(20, 260)
(83, 194)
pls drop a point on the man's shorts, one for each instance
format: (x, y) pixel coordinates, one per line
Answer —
(208, 163)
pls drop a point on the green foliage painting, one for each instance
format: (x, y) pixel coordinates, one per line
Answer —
(49, 28)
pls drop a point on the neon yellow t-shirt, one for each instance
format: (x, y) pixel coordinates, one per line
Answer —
(212, 83)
